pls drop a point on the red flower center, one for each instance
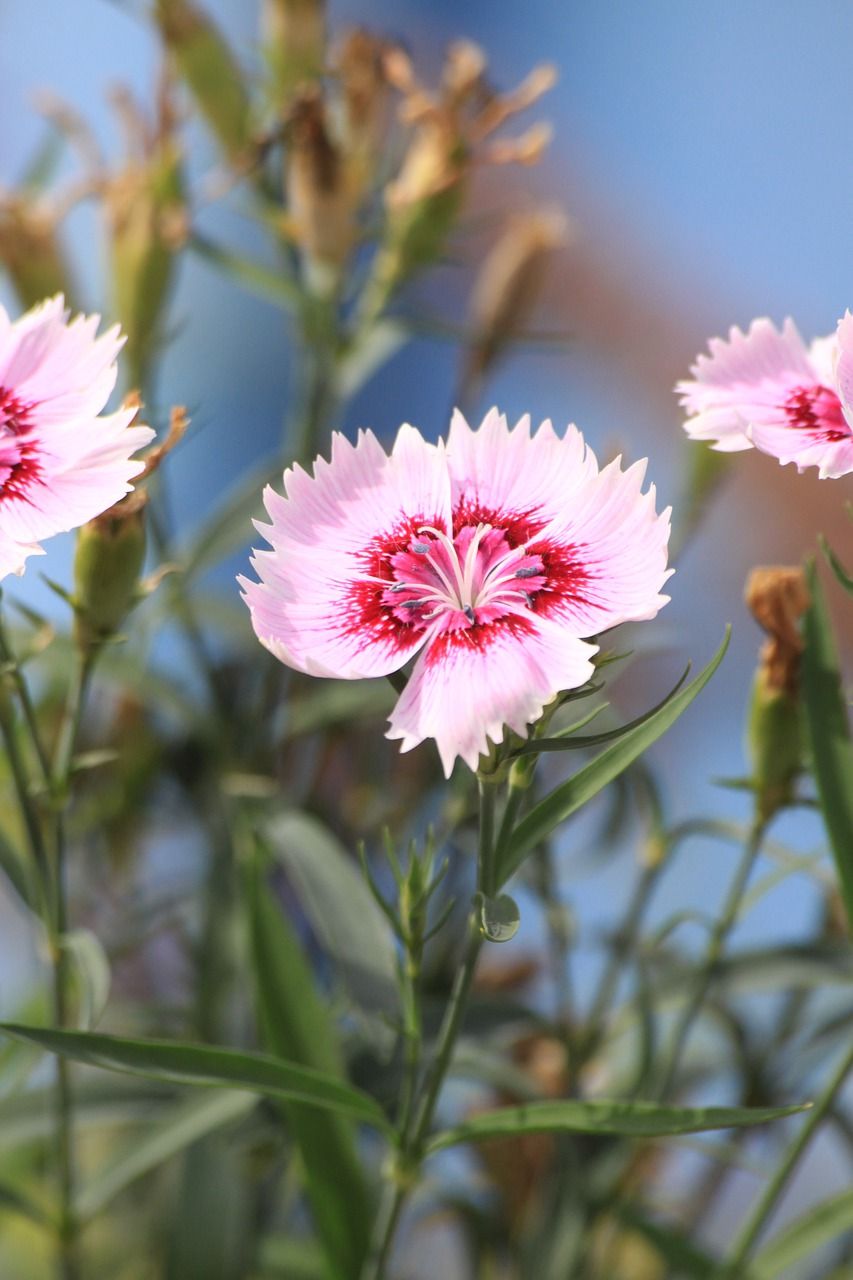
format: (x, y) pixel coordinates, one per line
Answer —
(817, 410)
(476, 577)
(19, 463)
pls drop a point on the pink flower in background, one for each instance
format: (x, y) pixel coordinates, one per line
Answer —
(491, 557)
(768, 389)
(61, 463)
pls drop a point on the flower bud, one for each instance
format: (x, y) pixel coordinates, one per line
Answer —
(295, 45)
(210, 71)
(777, 598)
(451, 133)
(509, 282)
(146, 222)
(30, 250)
(321, 205)
(107, 567)
(359, 64)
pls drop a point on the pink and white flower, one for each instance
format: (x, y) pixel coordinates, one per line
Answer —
(768, 389)
(61, 461)
(492, 557)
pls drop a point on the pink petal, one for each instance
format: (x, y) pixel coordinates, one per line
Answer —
(317, 603)
(743, 382)
(844, 365)
(84, 467)
(605, 559)
(468, 684)
(500, 474)
(13, 555)
(834, 458)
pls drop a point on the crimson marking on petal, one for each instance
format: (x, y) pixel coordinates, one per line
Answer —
(818, 410)
(477, 639)
(567, 576)
(364, 614)
(23, 470)
(519, 526)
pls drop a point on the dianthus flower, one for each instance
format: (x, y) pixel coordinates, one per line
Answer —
(492, 557)
(61, 464)
(768, 389)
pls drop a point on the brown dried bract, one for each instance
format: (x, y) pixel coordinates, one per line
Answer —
(777, 597)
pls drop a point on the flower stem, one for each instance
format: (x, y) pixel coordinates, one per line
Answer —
(758, 1218)
(69, 1263)
(412, 1145)
(716, 946)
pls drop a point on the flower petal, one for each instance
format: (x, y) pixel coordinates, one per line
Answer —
(833, 457)
(844, 365)
(512, 476)
(317, 605)
(744, 381)
(82, 469)
(13, 555)
(468, 684)
(605, 560)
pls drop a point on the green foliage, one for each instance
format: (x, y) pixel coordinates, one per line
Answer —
(298, 1028)
(207, 1066)
(619, 1119)
(583, 786)
(831, 747)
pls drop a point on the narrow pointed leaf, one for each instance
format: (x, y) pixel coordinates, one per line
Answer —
(273, 286)
(209, 68)
(613, 1119)
(341, 908)
(576, 742)
(175, 1129)
(297, 1025)
(829, 734)
(841, 574)
(567, 799)
(204, 1065)
(822, 1224)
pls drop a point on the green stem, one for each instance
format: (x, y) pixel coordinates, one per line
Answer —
(713, 955)
(29, 813)
(69, 1263)
(412, 1146)
(486, 843)
(762, 1211)
(7, 657)
(412, 1032)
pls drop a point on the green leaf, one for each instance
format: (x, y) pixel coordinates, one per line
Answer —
(291, 1259)
(369, 353)
(207, 64)
(204, 1065)
(273, 286)
(297, 1026)
(565, 800)
(572, 742)
(803, 1236)
(499, 917)
(841, 574)
(18, 871)
(614, 1119)
(92, 969)
(829, 734)
(175, 1128)
(341, 908)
